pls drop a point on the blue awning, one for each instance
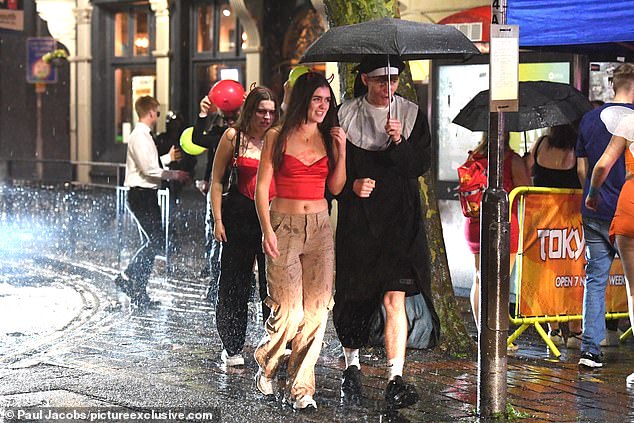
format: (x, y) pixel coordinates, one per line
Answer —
(550, 23)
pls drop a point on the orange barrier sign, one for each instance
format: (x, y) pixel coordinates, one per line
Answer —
(552, 268)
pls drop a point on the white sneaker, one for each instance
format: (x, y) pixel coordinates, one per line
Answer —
(264, 384)
(231, 360)
(630, 379)
(574, 341)
(590, 360)
(555, 336)
(304, 402)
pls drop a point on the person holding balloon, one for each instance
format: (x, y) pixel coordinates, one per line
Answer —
(174, 158)
(235, 220)
(211, 123)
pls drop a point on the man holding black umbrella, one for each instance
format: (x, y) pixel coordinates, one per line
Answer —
(382, 253)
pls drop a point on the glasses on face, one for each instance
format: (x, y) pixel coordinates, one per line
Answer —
(264, 112)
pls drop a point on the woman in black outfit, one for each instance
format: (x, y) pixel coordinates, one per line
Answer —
(554, 165)
(236, 223)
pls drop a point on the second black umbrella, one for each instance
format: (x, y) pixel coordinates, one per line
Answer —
(542, 104)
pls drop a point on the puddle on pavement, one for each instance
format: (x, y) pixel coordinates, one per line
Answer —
(38, 310)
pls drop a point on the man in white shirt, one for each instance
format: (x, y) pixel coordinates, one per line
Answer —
(143, 175)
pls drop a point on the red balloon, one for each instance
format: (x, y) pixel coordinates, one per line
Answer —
(227, 95)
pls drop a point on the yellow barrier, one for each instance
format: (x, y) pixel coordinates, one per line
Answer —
(550, 262)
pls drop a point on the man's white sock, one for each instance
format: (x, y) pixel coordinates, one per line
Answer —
(395, 367)
(352, 357)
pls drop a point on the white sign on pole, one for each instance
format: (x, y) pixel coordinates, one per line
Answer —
(504, 65)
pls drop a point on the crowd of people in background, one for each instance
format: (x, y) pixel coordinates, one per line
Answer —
(367, 154)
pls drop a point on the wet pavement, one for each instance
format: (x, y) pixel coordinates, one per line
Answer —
(68, 339)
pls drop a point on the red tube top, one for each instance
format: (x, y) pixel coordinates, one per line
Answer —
(297, 181)
(247, 177)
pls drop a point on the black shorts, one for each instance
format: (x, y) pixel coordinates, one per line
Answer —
(406, 285)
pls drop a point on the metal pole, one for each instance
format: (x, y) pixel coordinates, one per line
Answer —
(389, 90)
(39, 141)
(494, 265)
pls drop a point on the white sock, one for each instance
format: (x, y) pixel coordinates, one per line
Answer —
(395, 367)
(352, 357)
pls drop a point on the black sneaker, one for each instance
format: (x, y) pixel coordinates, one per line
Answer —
(124, 285)
(351, 387)
(400, 394)
(590, 360)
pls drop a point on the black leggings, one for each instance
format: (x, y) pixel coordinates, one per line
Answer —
(243, 247)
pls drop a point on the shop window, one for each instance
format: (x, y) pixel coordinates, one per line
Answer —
(217, 29)
(206, 74)
(133, 33)
(227, 29)
(205, 33)
(121, 46)
(141, 34)
(130, 84)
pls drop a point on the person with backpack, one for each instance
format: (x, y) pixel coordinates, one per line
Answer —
(472, 183)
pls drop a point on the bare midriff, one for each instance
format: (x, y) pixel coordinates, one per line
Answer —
(292, 206)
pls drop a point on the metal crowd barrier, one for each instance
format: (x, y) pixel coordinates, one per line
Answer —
(101, 175)
(520, 318)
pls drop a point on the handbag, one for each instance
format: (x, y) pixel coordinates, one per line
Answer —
(230, 180)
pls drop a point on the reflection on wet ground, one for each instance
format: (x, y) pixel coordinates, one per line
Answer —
(68, 339)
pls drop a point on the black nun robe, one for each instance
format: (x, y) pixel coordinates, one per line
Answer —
(380, 240)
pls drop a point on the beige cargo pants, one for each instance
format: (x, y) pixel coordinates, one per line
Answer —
(299, 295)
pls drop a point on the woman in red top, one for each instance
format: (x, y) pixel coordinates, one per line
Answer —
(236, 223)
(303, 156)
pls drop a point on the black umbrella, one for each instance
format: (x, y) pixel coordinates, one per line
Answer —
(407, 39)
(541, 104)
(388, 36)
